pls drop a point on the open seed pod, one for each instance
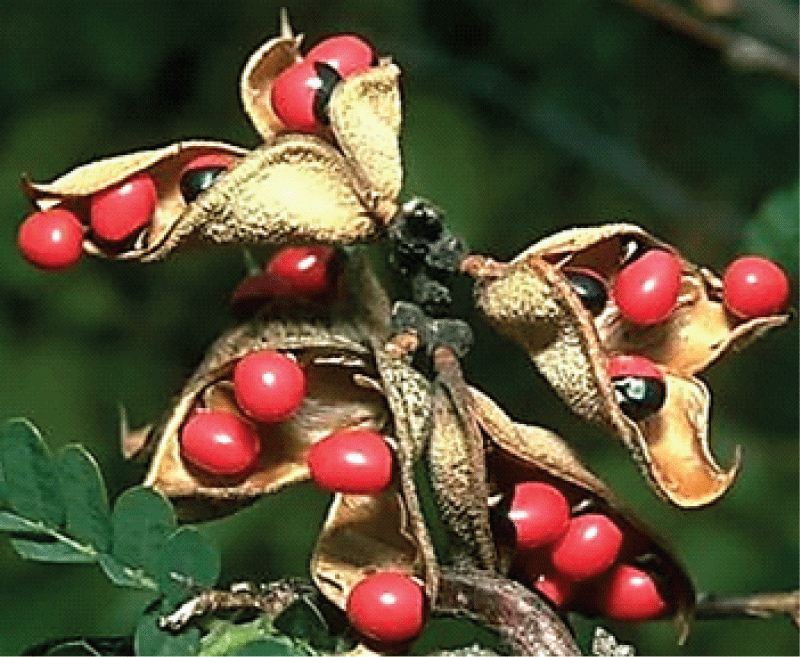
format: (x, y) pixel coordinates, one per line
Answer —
(574, 333)
(363, 113)
(351, 383)
(338, 186)
(521, 453)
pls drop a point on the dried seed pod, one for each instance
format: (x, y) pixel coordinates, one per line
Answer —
(353, 383)
(531, 300)
(338, 187)
(523, 453)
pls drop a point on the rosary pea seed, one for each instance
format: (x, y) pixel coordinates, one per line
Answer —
(269, 385)
(646, 290)
(355, 462)
(118, 212)
(219, 443)
(51, 239)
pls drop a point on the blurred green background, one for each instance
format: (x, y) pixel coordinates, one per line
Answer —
(520, 118)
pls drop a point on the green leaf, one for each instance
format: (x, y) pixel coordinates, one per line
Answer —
(31, 483)
(226, 638)
(186, 560)
(142, 521)
(303, 621)
(122, 575)
(150, 639)
(88, 514)
(273, 646)
(11, 522)
(53, 550)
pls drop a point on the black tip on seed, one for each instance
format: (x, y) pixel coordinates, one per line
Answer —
(329, 78)
(639, 397)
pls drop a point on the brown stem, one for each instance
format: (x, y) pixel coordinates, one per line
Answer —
(757, 605)
(741, 49)
(526, 624)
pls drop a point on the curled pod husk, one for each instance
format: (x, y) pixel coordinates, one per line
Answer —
(519, 453)
(352, 383)
(337, 187)
(531, 300)
(364, 113)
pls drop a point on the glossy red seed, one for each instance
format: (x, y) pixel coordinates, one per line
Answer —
(388, 607)
(646, 291)
(51, 239)
(269, 386)
(254, 290)
(555, 588)
(118, 212)
(209, 161)
(755, 287)
(346, 53)
(292, 96)
(357, 462)
(630, 594)
(588, 548)
(629, 365)
(219, 443)
(305, 269)
(540, 514)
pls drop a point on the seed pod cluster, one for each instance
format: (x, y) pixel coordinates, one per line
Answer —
(312, 384)
(584, 300)
(350, 425)
(587, 543)
(338, 184)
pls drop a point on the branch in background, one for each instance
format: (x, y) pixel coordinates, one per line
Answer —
(757, 605)
(741, 49)
(570, 132)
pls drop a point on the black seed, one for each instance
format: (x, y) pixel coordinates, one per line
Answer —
(198, 180)
(639, 397)
(328, 79)
(590, 290)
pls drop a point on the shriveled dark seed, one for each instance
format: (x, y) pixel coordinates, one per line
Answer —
(639, 397)
(590, 290)
(196, 181)
(328, 79)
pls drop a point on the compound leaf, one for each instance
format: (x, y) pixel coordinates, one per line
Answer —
(11, 522)
(54, 550)
(87, 512)
(31, 483)
(142, 521)
(122, 575)
(186, 561)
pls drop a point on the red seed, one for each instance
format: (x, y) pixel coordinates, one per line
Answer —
(631, 365)
(630, 594)
(755, 287)
(555, 588)
(292, 96)
(51, 239)
(306, 270)
(119, 212)
(388, 607)
(219, 443)
(540, 514)
(646, 291)
(346, 53)
(356, 462)
(269, 386)
(589, 547)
